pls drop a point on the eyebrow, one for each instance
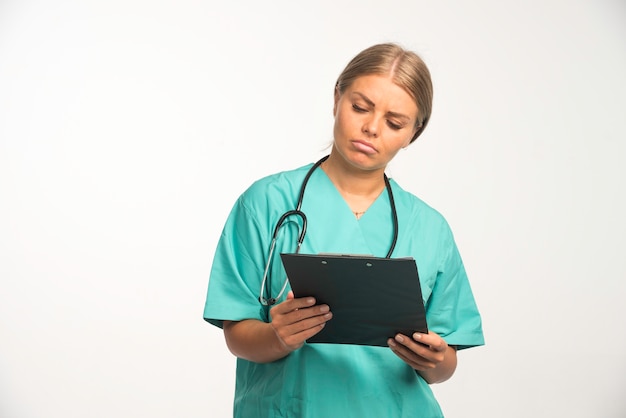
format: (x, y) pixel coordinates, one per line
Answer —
(371, 103)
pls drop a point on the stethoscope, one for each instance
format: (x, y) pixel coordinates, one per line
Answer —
(298, 212)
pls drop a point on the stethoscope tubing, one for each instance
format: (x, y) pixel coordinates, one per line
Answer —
(298, 212)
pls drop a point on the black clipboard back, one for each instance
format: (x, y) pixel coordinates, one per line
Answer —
(371, 298)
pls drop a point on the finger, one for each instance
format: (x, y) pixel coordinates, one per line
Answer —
(411, 358)
(292, 304)
(420, 349)
(307, 323)
(432, 340)
(297, 340)
(298, 332)
(302, 314)
(410, 347)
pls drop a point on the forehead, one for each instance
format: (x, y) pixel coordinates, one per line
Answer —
(383, 91)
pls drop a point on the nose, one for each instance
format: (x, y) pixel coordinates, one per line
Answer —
(370, 126)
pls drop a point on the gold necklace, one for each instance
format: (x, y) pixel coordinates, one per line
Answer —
(358, 214)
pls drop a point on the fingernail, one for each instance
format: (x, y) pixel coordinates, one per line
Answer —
(399, 338)
(417, 336)
(324, 308)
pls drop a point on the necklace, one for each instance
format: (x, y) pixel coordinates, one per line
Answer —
(359, 214)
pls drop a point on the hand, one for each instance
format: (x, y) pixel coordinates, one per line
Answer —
(296, 320)
(428, 353)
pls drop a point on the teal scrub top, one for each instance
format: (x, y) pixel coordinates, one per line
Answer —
(336, 380)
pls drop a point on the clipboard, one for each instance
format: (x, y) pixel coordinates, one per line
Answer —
(371, 298)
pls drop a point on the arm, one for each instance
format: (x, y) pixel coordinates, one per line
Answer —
(428, 354)
(293, 322)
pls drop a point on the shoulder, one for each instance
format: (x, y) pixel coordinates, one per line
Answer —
(419, 219)
(277, 189)
(413, 206)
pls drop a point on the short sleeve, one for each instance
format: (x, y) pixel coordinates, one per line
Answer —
(451, 310)
(237, 270)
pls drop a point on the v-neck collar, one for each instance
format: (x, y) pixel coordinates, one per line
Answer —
(332, 226)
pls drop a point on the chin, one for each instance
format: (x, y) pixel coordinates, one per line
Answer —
(365, 162)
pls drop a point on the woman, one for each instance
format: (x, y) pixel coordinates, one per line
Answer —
(382, 103)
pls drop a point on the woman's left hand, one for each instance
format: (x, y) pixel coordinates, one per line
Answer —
(428, 354)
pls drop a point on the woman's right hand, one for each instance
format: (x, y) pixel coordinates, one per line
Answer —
(293, 322)
(297, 319)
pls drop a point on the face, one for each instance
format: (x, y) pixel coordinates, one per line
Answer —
(374, 119)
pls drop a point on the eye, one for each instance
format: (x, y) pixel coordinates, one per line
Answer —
(394, 126)
(358, 109)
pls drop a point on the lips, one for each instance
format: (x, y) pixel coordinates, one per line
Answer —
(364, 146)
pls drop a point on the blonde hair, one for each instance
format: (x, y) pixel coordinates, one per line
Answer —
(406, 69)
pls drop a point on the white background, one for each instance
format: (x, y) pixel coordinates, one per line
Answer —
(128, 128)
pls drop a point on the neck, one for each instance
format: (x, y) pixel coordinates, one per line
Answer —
(352, 180)
(359, 188)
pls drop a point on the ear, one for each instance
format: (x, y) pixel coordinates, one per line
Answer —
(416, 132)
(411, 139)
